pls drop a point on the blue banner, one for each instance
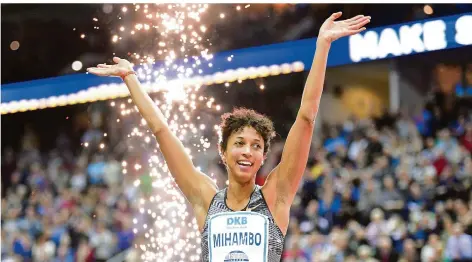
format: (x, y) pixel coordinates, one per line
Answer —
(378, 43)
(411, 38)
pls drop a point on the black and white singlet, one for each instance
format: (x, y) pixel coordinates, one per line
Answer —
(249, 235)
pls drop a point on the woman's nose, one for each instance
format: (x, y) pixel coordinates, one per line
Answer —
(247, 150)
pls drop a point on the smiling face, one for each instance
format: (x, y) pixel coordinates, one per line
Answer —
(244, 154)
(245, 137)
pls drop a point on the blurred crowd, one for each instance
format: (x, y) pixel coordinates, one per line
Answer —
(390, 188)
(71, 203)
(396, 187)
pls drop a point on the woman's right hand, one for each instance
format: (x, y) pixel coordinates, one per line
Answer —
(120, 69)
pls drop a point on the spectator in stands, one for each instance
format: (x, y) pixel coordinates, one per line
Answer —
(103, 241)
(385, 251)
(334, 141)
(390, 199)
(78, 181)
(374, 148)
(432, 250)
(364, 253)
(466, 139)
(368, 200)
(96, 170)
(84, 250)
(43, 249)
(448, 145)
(458, 247)
(409, 251)
(112, 172)
(125, 235)
(377, 227)
(357, 145)
(22, 245)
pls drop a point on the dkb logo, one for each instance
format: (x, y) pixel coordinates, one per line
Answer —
(236, 221)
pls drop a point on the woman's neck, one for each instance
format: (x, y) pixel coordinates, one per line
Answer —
(238, 194)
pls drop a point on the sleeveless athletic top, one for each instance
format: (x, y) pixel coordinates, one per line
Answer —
(248, 235)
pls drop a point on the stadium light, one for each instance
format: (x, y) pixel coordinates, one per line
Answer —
(76, 65)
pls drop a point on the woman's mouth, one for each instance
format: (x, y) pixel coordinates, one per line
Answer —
(244, 165)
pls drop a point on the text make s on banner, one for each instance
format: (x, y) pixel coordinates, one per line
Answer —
(411, 38)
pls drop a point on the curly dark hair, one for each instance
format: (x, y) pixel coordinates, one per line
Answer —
(241, 118)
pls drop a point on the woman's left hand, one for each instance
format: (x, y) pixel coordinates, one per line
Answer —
(332, 30)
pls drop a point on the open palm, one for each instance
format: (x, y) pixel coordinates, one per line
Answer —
(332, 30)
(121, 68)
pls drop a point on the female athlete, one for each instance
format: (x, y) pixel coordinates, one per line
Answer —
(243, 222)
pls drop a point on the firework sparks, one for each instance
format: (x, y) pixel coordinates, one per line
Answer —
(170, 232)
(178, 28)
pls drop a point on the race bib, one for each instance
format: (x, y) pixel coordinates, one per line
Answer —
(238, 236)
